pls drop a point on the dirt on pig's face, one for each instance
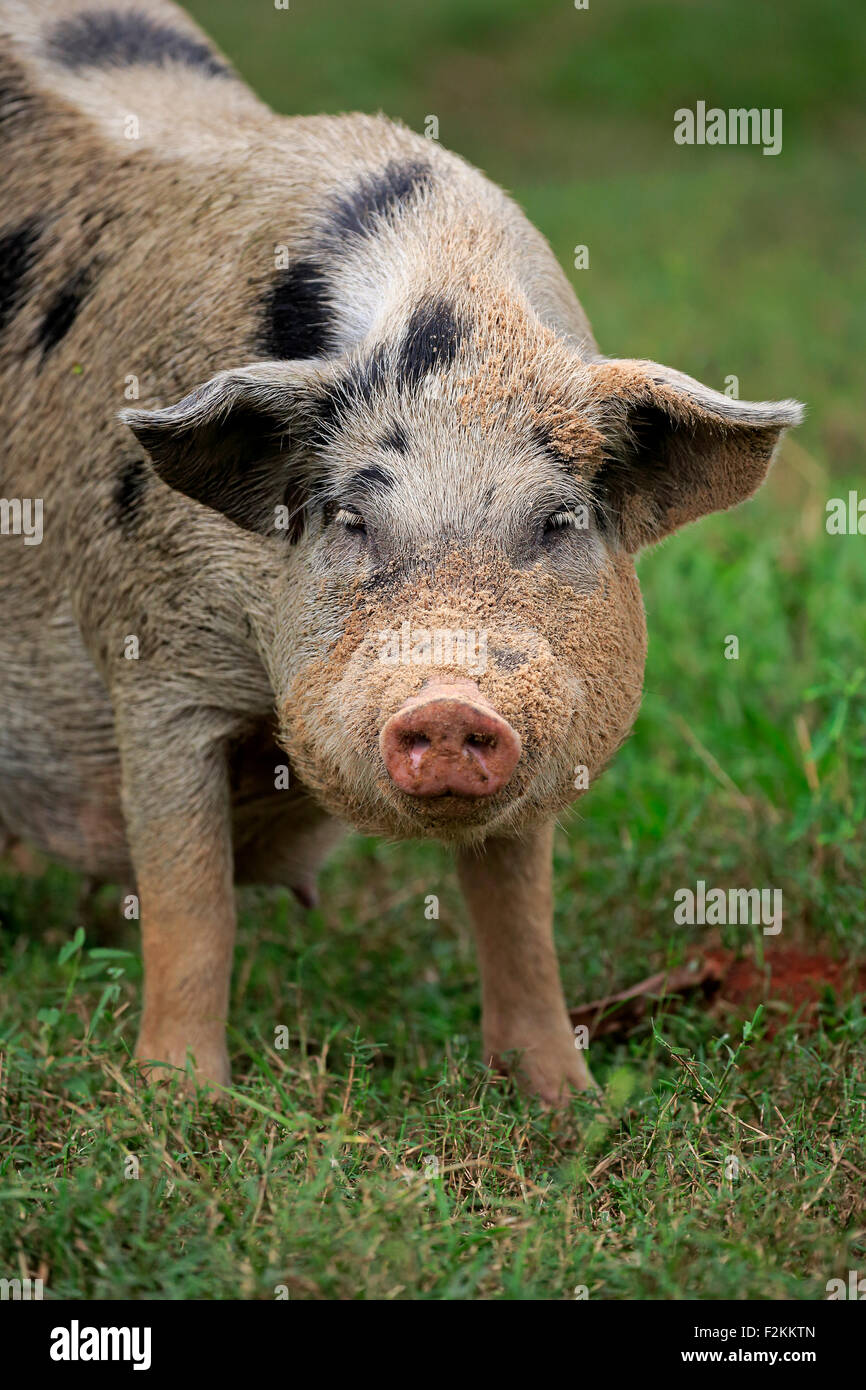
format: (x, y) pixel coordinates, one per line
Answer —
(563, 667)
(455, 543)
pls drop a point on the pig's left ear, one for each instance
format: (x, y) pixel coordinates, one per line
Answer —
(237, 443)
(676, 449)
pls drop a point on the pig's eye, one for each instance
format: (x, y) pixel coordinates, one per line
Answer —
(352, 520)
(559, 521)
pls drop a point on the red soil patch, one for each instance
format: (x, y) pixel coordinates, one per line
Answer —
(797, 978)
(791, 982)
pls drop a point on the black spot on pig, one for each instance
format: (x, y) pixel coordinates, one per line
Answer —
(17, 254)
(373, 478)
(395, 438)
(126, 38)
(63, 310)
(297, 316)
(129, 493)
(432, 339)
(376, 196)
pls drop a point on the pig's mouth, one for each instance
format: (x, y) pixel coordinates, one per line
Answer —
(449, 818)
(447, 806)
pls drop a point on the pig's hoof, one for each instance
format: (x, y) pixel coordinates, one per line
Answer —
(167, 1059)
(550, 1074)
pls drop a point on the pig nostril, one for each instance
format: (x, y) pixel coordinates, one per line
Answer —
(415, 743)
(481, 740)
(414, 747)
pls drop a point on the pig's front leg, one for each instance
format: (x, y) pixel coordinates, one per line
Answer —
(509, 890)
(176, 805)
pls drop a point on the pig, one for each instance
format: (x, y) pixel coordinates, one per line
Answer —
(340, 509)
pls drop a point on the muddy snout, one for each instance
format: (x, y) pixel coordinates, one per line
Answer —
(448, 740)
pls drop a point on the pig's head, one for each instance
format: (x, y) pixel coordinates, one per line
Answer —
(459, 642)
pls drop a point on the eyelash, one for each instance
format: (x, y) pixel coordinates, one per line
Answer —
(353, 521)
(560, 520)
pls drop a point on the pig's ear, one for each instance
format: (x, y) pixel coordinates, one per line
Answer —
(676, 449)
(237, 443)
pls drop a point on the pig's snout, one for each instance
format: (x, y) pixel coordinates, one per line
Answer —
(448, 740)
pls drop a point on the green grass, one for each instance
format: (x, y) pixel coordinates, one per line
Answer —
(316, 1173)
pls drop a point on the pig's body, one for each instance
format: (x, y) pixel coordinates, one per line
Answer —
(420, 346)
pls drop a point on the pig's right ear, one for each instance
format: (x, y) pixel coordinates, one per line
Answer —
(237, 444)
